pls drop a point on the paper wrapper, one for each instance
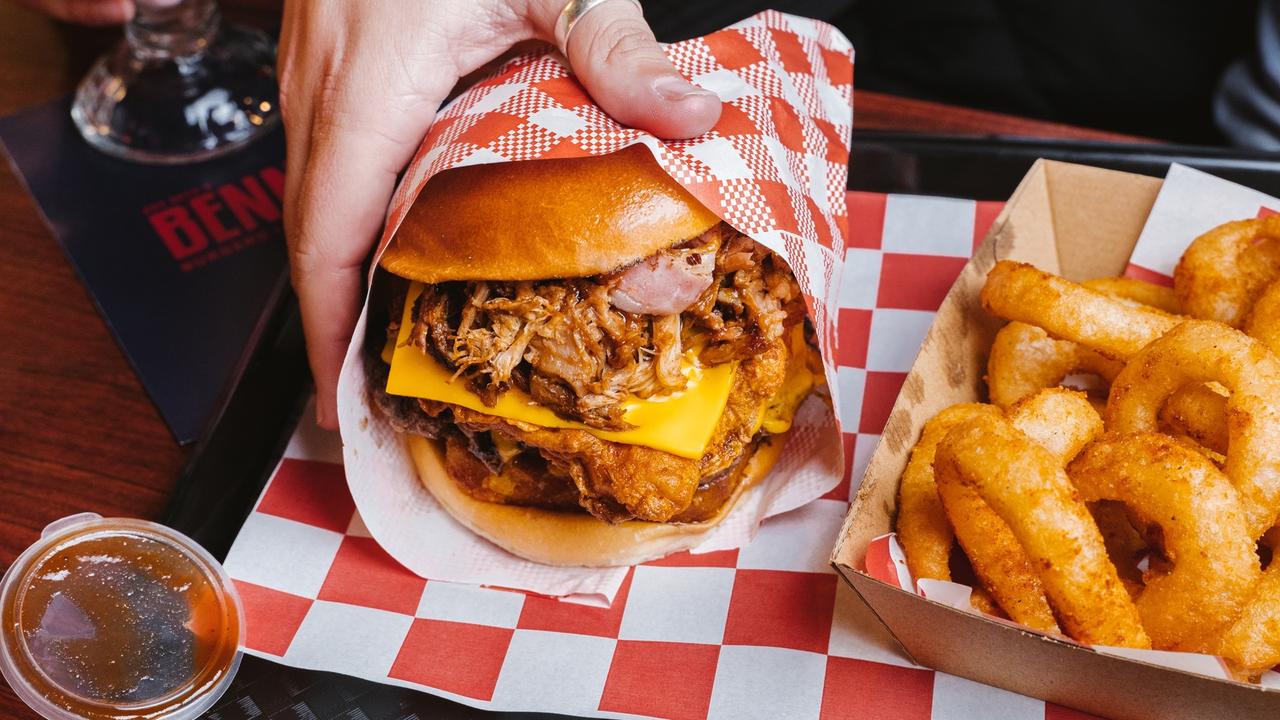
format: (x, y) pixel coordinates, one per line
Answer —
(1189, 204)
(775, 168)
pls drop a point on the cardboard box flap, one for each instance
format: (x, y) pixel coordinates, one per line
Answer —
(1097, 217)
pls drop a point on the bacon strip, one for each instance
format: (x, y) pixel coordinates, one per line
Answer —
(663, 284)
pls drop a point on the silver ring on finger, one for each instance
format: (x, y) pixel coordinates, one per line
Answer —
(572, 13)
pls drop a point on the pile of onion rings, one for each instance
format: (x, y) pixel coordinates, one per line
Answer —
(1146, 513)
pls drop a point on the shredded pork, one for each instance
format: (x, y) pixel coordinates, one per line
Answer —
(568, 344)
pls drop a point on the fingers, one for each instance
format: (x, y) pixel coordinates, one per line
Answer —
(295, 103)
(359, 86)
(340, 202)
(614, 53)
(85, 12)
(343, 161)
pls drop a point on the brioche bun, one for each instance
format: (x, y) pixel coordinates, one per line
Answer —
(543, 219)
(577, 538)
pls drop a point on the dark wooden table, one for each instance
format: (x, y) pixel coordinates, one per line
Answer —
(77, 431)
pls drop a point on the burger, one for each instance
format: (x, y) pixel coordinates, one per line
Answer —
(588, 366)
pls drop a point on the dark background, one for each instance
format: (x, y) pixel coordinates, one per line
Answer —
(1142, 67)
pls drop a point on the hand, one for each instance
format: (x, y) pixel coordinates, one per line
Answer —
(360, 83)
(84, 12)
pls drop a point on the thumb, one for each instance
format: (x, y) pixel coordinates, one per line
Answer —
(614, 54)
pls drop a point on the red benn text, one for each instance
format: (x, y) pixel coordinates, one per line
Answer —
(203, 224)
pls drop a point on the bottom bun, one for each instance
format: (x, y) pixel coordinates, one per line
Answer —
(570, 538)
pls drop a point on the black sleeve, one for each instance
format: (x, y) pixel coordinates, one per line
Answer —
(1246, 106)
(674, 20)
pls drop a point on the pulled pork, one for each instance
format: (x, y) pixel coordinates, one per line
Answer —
(569, 346)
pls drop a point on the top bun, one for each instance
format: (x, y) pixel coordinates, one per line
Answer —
(543, 219)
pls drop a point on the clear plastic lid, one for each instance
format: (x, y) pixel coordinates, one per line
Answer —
(117, 618)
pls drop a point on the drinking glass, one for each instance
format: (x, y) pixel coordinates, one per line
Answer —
(182, 87)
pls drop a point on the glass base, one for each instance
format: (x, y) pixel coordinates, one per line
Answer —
(168, 109)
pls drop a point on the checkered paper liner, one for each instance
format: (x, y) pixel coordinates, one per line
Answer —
(1190, 203)
(775, 167)
(763, 631)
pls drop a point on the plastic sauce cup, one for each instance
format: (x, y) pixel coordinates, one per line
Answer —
(108, 618)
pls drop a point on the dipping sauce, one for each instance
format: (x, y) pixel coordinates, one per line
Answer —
(118, 618)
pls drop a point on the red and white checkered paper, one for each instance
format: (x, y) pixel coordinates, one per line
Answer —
(775, 167)
(763, 631)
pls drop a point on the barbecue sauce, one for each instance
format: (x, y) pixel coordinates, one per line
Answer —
(116, 622)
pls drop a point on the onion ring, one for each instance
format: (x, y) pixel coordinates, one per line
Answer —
(997, 558)
(1125, 545)
(1198, 412)
(1064, 421)
(1252, 644)
(1025, 360)
(923, 528)
(1223, 271)
(1027, 487)
(1213, 563)
(1070, 311)
(1263, 321)
(1200, 351)
(1139, 291)
(982, 601)
(1060, 420)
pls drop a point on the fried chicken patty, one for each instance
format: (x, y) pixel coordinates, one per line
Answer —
(499, 460)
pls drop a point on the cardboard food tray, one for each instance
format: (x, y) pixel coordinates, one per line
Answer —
(1079, 222)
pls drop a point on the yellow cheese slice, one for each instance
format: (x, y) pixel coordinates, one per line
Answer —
(681, 423)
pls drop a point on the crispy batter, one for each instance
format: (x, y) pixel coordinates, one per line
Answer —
(1125, 545)
(1214, 566)
(1069, 311)
(998, 561)
(1059, 420)
(1198, 412)
(1252, 644)
(1263, 320)
(716, 489)
(923, 528)
(1027, 487)
(1223, 271)
(1025, 360)
(1200, 351)
(1139, 291)
(523, 480)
